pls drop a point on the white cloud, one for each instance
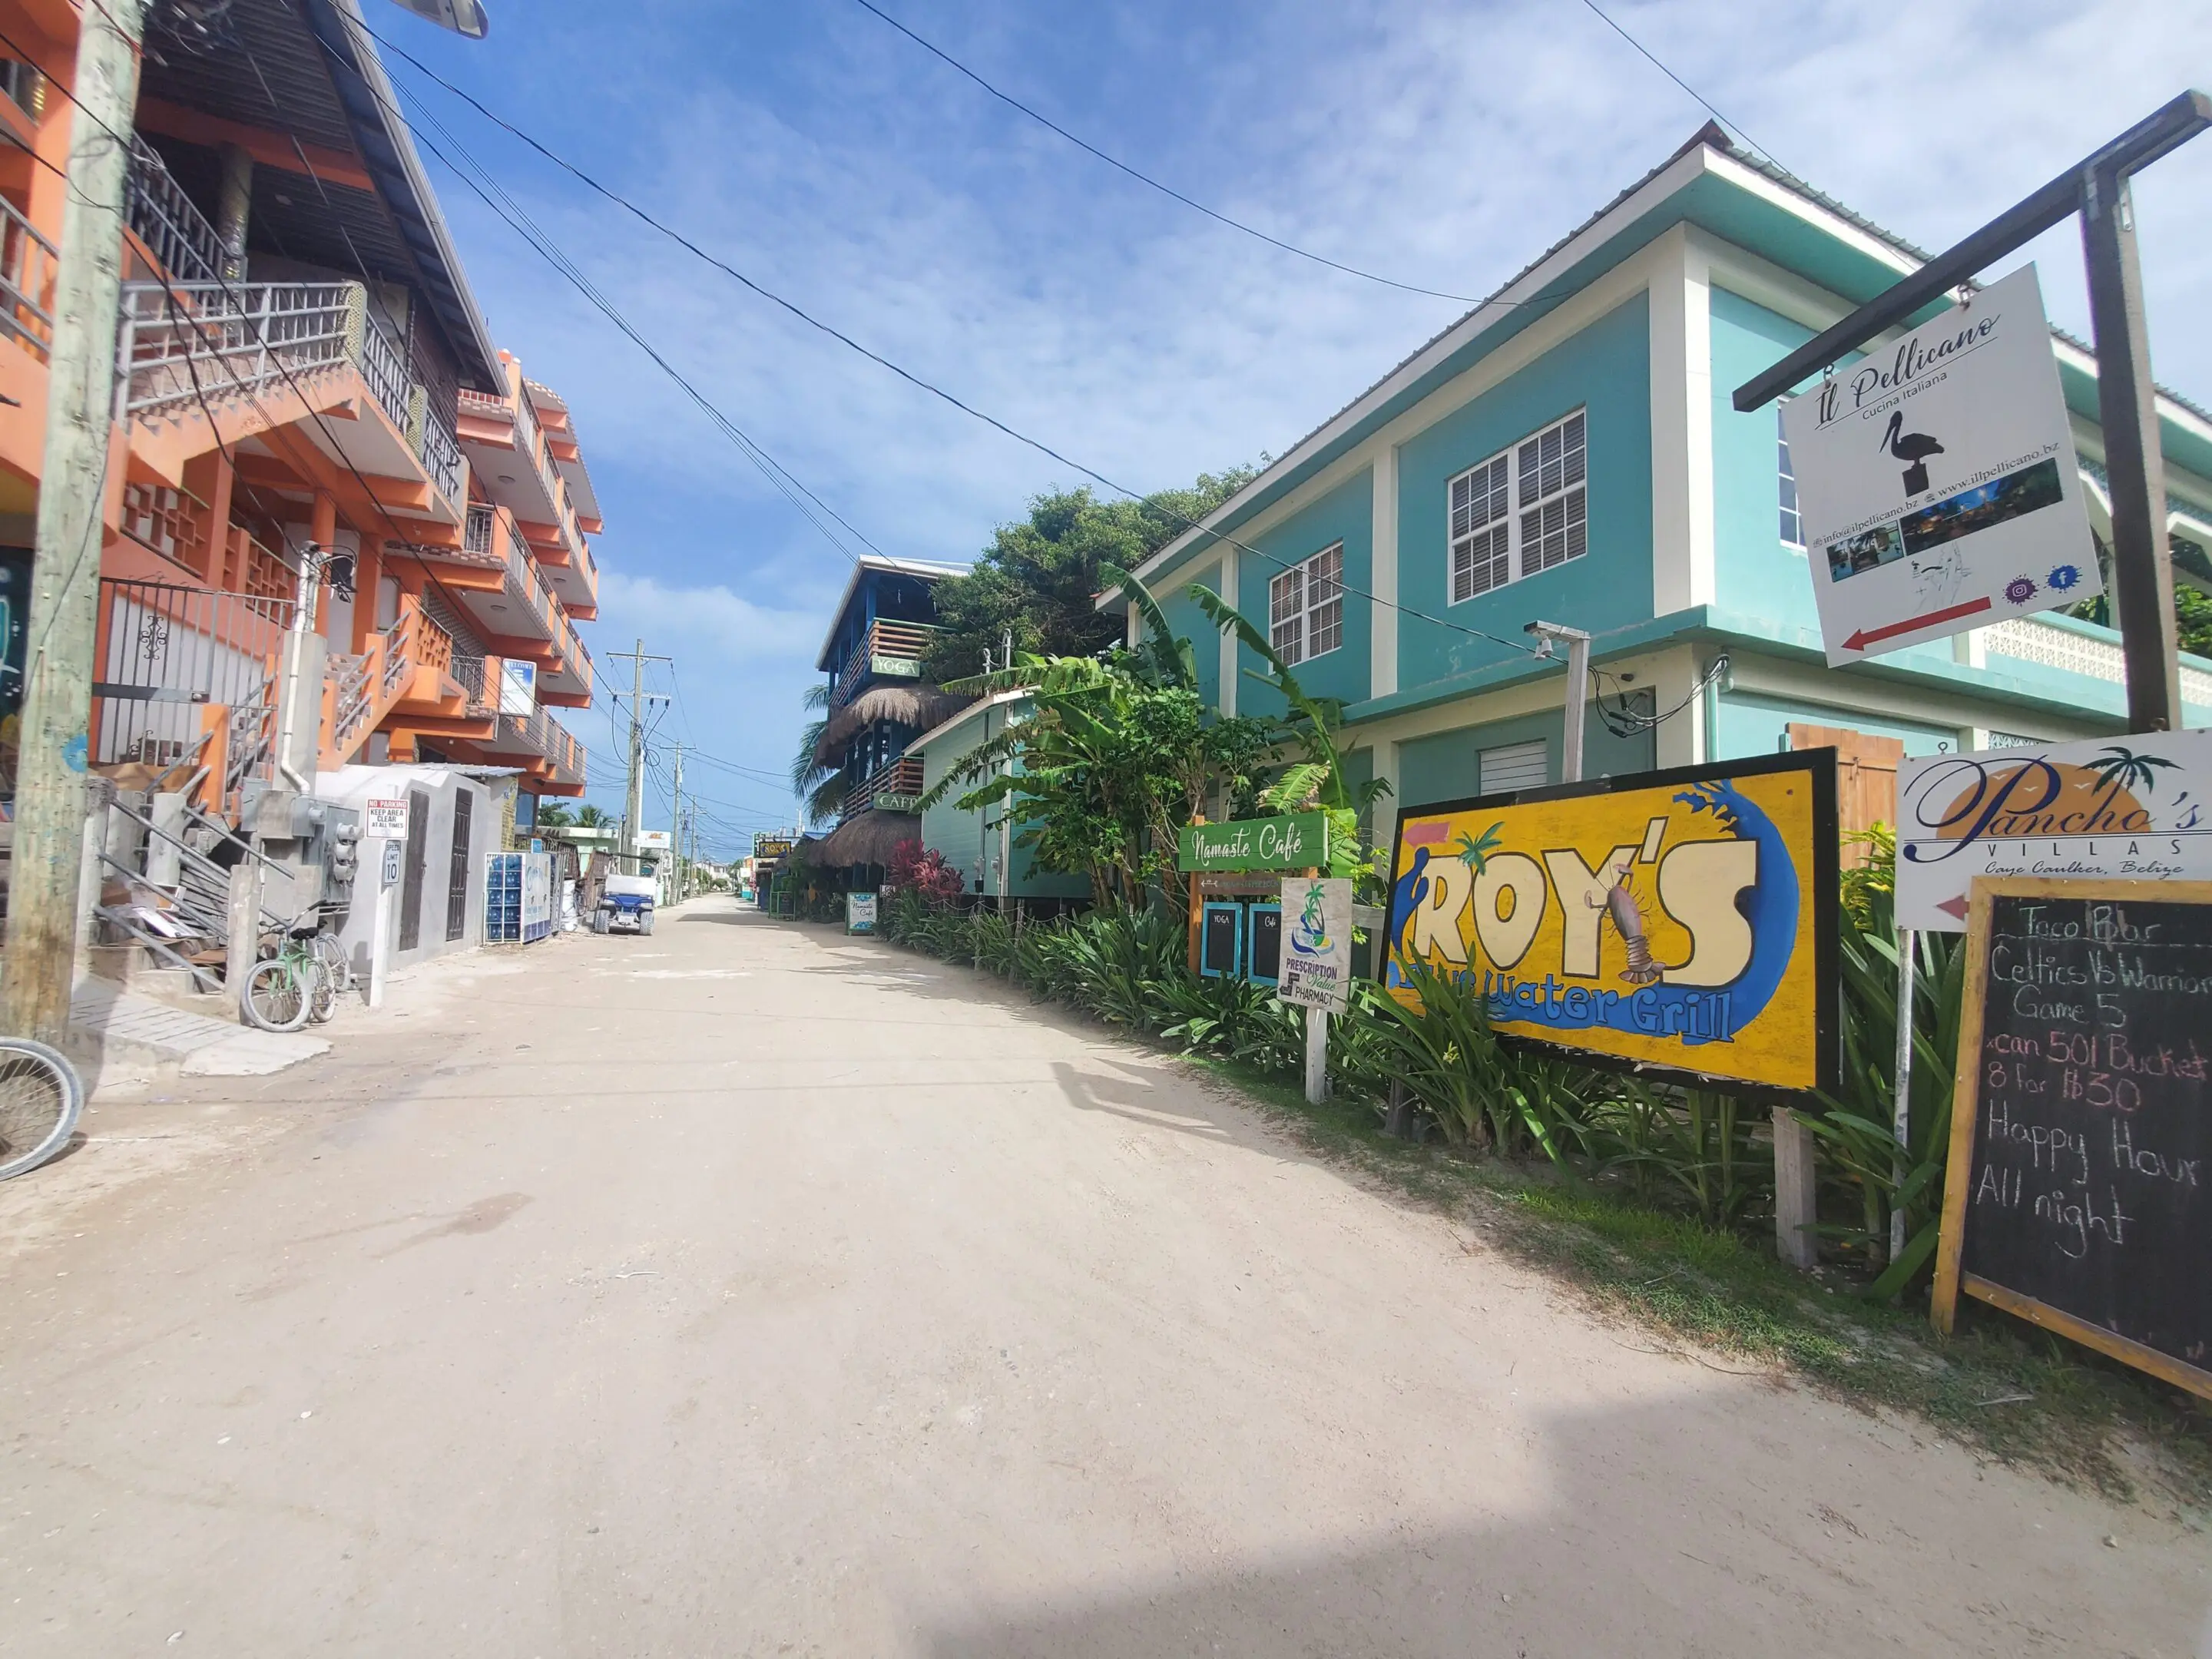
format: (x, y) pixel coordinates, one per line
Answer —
(1443, 143)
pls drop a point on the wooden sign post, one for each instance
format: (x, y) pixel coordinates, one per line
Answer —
(2076, 1193)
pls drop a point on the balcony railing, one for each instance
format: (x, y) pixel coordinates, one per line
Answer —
(383, 362)
(186, 341)
(538, 733)
(895, 787)
(176, 233)
(892, 649)
(28, 262)
(441, 456)
(169, 656)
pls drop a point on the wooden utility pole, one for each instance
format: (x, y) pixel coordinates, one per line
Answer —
(634, 796)
(54, 753)
(676, 831)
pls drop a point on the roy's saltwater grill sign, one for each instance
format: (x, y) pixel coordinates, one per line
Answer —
(1682, 922)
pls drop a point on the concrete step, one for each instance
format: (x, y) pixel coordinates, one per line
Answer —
(116, 1023)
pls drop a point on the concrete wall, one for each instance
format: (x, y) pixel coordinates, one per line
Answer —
(439, 786)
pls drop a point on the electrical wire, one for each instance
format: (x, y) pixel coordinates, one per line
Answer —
(1627, 722)
(1606, 17)
(398, 537)
(1119, 166)
(550, 251)
(518, 218)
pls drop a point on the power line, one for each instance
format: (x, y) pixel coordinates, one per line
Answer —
(1119, 166)
(549, 251)
(519, 220)
(1701, 98)
(398, 537)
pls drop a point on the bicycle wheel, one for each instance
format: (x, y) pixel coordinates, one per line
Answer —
(275, 996)
(40, 1100)
(336, 964)
(322, 993)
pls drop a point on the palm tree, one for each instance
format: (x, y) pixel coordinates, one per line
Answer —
(589, 817)
(819, 787)
(2124, 769)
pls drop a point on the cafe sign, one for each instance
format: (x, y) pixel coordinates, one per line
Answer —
(1296, 840)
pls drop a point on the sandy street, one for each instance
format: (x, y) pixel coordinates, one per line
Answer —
(746, 1290)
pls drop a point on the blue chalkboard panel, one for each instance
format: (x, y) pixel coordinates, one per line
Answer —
(1221, 940)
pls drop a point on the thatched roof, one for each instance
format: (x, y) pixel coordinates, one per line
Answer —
(870, 838)
(920, 706)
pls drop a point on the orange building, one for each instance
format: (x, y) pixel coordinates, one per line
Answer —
(300, 364)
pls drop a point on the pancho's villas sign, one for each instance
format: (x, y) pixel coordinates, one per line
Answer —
(2132, 807)
(1295, 840)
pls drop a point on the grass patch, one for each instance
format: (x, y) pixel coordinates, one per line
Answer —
(1998, 1385)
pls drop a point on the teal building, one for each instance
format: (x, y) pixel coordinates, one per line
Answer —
(1568, 452)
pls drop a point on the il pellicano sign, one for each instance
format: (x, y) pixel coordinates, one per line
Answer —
(1936, 485)
(1297, 841)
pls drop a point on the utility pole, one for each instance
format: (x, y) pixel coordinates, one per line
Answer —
(676, 831)
(634, 796)
(56, 720)
(1578, 644)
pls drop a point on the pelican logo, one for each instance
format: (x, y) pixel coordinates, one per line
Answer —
(1913, 449)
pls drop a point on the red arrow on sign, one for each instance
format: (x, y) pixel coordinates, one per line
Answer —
(1863, 637)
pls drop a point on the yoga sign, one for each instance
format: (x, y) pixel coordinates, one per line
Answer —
(1680, 922)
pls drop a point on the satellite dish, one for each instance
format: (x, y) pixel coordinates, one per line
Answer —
(461, 16)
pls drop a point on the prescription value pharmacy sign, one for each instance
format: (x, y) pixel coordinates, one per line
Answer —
(1295, 840)
(1936, 484)
(1682, 922)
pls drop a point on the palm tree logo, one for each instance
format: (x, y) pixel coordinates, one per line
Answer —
(2123, 769)
(1475, 855)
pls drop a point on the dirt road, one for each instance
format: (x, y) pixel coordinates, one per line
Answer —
(746, 1290)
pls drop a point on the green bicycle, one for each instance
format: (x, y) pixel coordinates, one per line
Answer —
(290, 987)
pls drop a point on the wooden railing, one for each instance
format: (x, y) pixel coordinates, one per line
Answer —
(892, 649)
(895, 786)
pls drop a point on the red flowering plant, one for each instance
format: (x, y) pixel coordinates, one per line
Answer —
(915, 869)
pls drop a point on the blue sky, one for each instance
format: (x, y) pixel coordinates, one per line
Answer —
(814, 147)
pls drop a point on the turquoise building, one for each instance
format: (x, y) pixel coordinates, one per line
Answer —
(1568, 452)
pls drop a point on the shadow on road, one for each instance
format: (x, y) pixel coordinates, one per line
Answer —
(1712, 1524)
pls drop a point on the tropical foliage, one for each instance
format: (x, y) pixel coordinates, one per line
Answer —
(1117, 755)
(1038, 578)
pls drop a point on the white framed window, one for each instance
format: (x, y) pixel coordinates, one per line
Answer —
(1524, 510)
(1793, 526)
(1305, 607)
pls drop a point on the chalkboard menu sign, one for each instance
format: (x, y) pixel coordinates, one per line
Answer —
(1220, 941)
(1264, 948)
(2081, 1123)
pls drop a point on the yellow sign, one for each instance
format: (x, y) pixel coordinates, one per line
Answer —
(1679, 921)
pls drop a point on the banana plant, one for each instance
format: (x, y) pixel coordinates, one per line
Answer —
(1319, 781)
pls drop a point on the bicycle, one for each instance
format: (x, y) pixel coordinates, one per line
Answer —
(40, 1100)
(338, 967)
(286, 989)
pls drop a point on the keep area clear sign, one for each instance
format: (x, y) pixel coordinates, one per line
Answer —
(1937, 489)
